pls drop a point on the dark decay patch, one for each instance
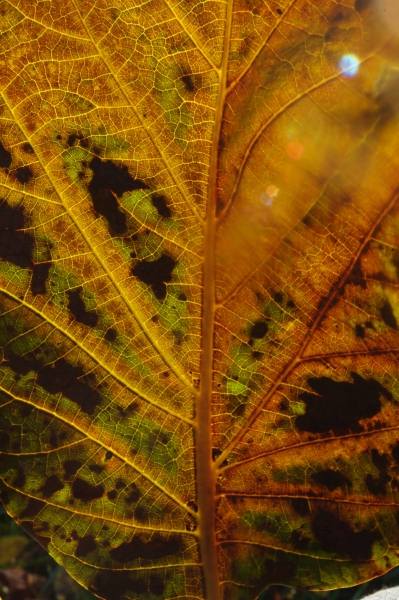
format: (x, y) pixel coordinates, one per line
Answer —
(5, 157)
(62, 377)
(119, 585)
(360, 331)
(111, 495)
(26, 147)
(299, 539)
(395, 452)
(51, 485)
(159, 202)
(188, 82)
(85, 545)
(20, 478)
(337, 536)
(111, 334)
(387, 315)
(357, 277)
(40, 273)
(134, 493)
(361, 5)
(156, 273)
(32, 509)
(24, 174)
(17, 246)
(70, 467)
(83, 490)
(96, 468)
(331, 479)
(152, 548)
(258, 330)
(77, 307)
(108, 455)
(338, 406)
(109, 182)
(378, 485)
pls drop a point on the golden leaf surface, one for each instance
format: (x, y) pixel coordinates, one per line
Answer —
(199, 227)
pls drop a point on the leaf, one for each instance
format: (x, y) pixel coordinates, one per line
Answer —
(199, 272)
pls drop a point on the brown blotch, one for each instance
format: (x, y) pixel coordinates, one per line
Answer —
(52, 484)
(85, 545)
(32, 509)
(70, 467)
(5, 157)
(337, 536)
(24, 174)
(150, 548)
(331, 479)
(83, 490)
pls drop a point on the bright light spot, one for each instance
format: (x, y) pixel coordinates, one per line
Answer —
(270, 195)
(349, 65)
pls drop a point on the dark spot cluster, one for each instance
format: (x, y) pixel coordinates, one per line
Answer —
(22, 174)
(338, 406)
(156, 273)
(17, 245)
(58, 377)
(150, 548)
(331, 479)
(78, 309)
(76, 138)
(337, 536)
(377, 485)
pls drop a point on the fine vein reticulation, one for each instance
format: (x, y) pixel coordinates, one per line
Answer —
(199, 274)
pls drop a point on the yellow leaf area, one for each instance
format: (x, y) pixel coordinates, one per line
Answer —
(199, 271)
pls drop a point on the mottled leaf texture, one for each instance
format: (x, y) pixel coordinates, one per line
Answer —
(199, 227)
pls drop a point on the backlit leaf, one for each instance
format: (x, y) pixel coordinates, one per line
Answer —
(199, 273)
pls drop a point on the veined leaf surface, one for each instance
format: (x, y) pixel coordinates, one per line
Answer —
(199, 229)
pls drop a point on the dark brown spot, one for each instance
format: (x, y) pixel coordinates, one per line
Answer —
(78, 309)
(357, 277)
(360, 331)
(337, 536)
(108, 455)
(258, 330)
(156, 273)
(153, 547)
(32, 509)
(109, 182)
(388, 316)
(159, 202)
(110, 334)
(40, 272)
(134, 493)
(96, 468)
(26, 147)
(24, 174)
(51, 485)
(111, 495)
(20, 478)
(85, 545)
(299, 539)
(339, 405)
(188, 82)
(83, 490)
(330, 479)
(5, 157)
(70, 467)
(300, 506)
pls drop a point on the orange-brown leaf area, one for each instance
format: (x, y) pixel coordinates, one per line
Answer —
(199, 271)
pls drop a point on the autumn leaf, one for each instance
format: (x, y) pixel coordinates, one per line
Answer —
(199, 227)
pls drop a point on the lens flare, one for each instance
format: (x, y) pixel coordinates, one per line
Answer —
(349, 65)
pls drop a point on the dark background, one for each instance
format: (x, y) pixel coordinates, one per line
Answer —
(28, 573)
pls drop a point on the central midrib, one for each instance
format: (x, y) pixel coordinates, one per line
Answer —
(206, 480)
